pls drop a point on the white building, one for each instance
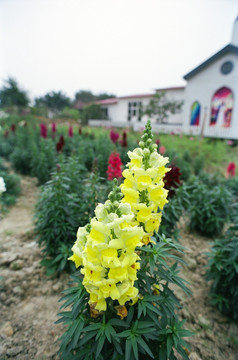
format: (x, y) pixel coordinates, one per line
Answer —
(210, 100)
(211, 94)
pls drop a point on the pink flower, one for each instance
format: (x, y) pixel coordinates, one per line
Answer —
(229, 142)
(114, 136)
(43, 130)
(70, 132)
(162, 149)
(114, 169)
(231, 170)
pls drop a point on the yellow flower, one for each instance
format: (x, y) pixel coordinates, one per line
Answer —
(77, 260)
(109, 258)
(154, 222)
(109, 290)
(119, 273)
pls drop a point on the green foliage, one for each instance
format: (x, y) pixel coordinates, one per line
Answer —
(160, 107)
(91, 111)
(207, 206)
(6, 144)
(87, 97)
(151, 328)
(171, 214)
(13, 189)
(70, 113)
(11, 94)
(62, 207)
(223, 269)
(21, 155)
(43, 160)
(53, 100)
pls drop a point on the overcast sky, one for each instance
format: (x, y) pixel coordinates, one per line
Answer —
(117, 46)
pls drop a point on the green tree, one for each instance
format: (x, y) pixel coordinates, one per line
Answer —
(160, 107)
(91, 111)
(103, 96)
(55, 101)
(87, 96)
(12, 95)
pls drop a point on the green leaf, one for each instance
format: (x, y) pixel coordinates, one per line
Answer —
(143, 344)
(128, 350)
(135, 348)
(100, 345)
(169, 344)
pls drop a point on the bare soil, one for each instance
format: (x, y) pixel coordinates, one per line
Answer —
(29, 300)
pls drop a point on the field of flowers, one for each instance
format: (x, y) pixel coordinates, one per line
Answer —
(133, 203)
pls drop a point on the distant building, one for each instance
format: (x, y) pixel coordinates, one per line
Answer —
(211, 94)
(210, 99)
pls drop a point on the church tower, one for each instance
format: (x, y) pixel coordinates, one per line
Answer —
(234, 38)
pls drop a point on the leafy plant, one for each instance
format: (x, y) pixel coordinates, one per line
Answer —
(13, 189)
(63, 205)
(223, 269)
(126, 273)
(208, 207)
(43, 160)
(151, 328)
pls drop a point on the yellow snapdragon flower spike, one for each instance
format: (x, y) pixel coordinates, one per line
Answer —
(143, 187)
(106, 252)
(106, 249)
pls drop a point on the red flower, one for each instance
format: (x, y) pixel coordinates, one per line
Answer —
(114, 169)
(70, 132)
(123, 141)
(60, 144)
(53, 127)
(13, 127)
(43, 130)
(231, 169)
(157, 141)
(172, 179)
(114, 136)
(80, 131)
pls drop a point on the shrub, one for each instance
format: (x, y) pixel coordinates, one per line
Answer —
(223, 269)
(171, 214)
(63, 205)
(13, 189)
(43, 160)
(22, 154)
(208, 207)
(6, 144)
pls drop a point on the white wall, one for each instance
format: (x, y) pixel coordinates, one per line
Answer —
(201, 88)
(118, 113)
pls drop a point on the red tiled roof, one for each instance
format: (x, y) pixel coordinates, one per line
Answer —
(171, 88)
(109, 101)
(135, 96)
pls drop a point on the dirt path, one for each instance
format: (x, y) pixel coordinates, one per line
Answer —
(29, 299)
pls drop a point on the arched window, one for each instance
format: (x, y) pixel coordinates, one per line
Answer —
(221, 108)
(195, 113)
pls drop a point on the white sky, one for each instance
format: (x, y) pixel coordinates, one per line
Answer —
(117, 46)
